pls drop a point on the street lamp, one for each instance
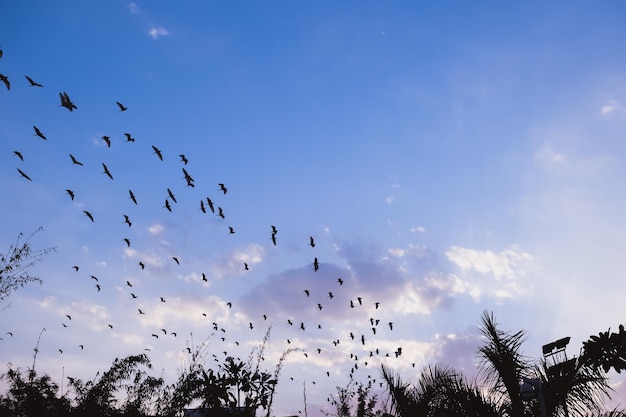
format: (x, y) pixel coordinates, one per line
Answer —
(530, 389)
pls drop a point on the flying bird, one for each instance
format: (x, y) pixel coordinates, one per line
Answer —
(5, 80)
(68, 316)
(121, 106)
(24, 175)
(32, 83)
(316, 264)
(88, 214)
(210, 203)
(202, 208)
(106, 171)
(66, 102)
(75, 161)
(127, 240)
(107, 140)
(176, 260)
(132, 196)
(129, 138)
(340, 281)
(231, 230)
(127, 221)
(169, 192)
(142, 265)
(183, 159)
(129, 284)
(18, 154)
(133, 295)
(220, 212)
(223, 188)
(38, 133)
(245, 266)
(76, 268)
(158, 153)
(311, 241)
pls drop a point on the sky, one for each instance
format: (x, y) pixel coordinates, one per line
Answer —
(447, 159)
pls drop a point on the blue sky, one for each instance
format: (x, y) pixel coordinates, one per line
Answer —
(447, 158)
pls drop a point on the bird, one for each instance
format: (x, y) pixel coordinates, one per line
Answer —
(81, 347)
(307, 293)
(316, 264)
(75, 161)
(176, 260)
(18, 154)
(169, 192)
(158, 153)
(210, 203)
(231, 230)
(88, 214)
(132, 196)
(162, 299)
(311, 241)
(129, 284)
(68, 316)
(155, 335)
(220, 212)
(204, 277)
(66, 102)
(202, 208)
(188, 178)
(32, 83)
(245, 266)
(167, 205)
(183, 159)
(5, 80)
(127, 221)
(340, 281)
(390, 325)
(142, 265)
(98, 287)
(107, 140)
(121, 106)
(223, 188)
(106, 170)
(274, 238)
(38, 133)
(133, 295)
(129, 138)
(360, 300)
(24, 175)
(60, 351)
(140, 312)
(76, 268)
(94, 278)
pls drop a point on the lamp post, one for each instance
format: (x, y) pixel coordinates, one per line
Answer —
(530, 389)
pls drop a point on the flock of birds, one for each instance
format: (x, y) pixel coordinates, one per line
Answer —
(374, 327)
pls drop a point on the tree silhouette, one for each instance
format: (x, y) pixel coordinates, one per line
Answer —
(15, 265)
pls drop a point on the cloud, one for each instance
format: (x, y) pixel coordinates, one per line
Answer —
(499, 275)
(132, 6)
(156, 32)
(611, 108)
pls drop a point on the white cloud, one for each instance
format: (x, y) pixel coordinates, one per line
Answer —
(156, 229)
(418, 229)
(611, 108)
(389, 200)
(549, 156)
(132, 6)
(156, 32)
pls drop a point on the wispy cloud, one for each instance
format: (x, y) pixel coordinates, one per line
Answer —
(132, 6)
(157, 32)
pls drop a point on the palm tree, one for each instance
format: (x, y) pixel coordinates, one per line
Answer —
(439, 392)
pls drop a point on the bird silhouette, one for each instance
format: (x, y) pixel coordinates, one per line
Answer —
(220, 212)
(307, 292)
(81, 347)
(183, 159)
(107, 140)
(129, 138)
(75, 161)
(202, 208)
(274, 238)
(245, 266)
(158, 153)
(121, 106)
(127, 240)
(316, 264)
(88, 214)
(132, 196)
(129, 284)
(167, 205)
(140, 312)
(66, 102)
(311, 241)
(38, 133)
(340, 281)
(210, 203)
(176, 260)
(231, 230)
(68, 316)
(142, 265)
(76, 268)
(5, 80)
(223, 188)
(32, 83)
(106, 170)
(19, 155)
(127, 221)
(169, 192)
(162, 299)
(24, 175)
